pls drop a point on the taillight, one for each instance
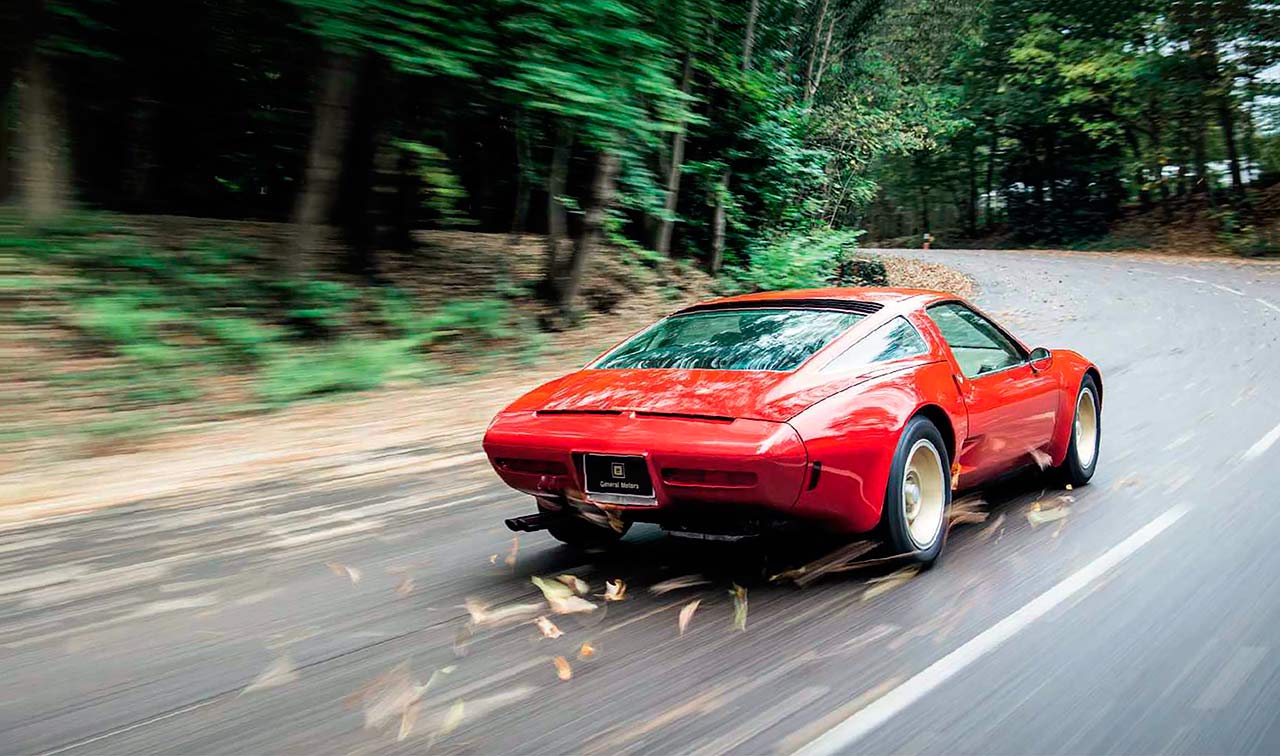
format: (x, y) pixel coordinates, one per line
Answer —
(710, 478)
(533, 466)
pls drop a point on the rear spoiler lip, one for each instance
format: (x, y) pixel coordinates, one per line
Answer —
(842, 305)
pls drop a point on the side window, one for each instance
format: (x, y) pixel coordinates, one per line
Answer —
(977, 344)
(892, 341)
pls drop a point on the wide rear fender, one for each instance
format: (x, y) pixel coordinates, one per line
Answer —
(853, 435)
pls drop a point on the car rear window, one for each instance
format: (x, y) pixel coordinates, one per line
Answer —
(753, 339)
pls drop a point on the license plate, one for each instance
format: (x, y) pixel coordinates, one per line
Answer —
(617, 476)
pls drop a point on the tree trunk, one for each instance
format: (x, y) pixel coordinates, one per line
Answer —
(991, 177)
(662, 241)
(822, 60)
(718, 223)
(1226, 120)
(44, 173)
(557, 176)
(602, 190)
(814, 40)
(520, 215)
(315, 201)
(749, 39)
(971, 209)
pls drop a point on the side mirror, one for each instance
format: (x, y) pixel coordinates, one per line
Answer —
(1040, 359)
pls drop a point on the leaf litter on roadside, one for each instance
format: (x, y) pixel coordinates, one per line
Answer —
(882, 585)
(394, 694)
(483, 616)
(510, 561)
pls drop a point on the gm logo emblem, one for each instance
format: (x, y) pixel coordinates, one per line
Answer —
(618, 470)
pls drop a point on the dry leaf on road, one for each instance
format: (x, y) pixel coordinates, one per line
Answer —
(560, 597)
(279, 673)
(577, 584)
(881, 586)
(339, 569)
(548, 628)
(686, 614)
(614, 590)
(586, 651)
(739, 607)
(675, 584)
(563, 671)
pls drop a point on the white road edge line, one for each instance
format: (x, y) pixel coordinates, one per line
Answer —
(1189, 278)
(1266, 304)
(1264, 443)
(897, 700)
(1237, 292)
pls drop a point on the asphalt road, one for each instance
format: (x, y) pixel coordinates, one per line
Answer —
(1146, 620)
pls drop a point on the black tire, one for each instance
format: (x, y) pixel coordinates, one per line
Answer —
(584, 534)
(894, 518)
(1073, 471)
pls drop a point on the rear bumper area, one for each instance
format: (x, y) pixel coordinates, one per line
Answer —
(692, 462)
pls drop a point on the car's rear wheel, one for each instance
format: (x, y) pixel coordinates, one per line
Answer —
(918, 497)
(1086, 435)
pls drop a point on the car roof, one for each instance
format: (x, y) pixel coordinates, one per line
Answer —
(905, 299)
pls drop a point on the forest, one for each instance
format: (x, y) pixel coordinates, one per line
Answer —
(759, 142)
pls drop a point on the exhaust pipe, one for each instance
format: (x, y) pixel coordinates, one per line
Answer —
(531, 523)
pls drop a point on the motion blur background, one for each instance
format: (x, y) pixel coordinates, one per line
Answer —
(268, 267)
(224, 207)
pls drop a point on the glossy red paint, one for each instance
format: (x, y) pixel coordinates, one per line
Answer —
(754, 440)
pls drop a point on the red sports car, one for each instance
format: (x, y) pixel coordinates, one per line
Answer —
(849, 409)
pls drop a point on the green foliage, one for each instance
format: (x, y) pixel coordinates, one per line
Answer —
(806, 261)
(170, 320)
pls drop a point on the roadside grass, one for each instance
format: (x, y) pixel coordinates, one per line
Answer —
(124, 332)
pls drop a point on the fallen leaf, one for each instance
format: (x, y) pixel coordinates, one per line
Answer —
(548, 628)
(563, 671)
(452, 719)
(686, 614)
(560, 597)
(482, 615)
(675, 584)
(991, 529)
(1041, 458)
(614, 590)
(586, 651)
(836, 561)
(405, 587)
(1038, 517)
(881, 586)
(352, 573)
(1068, 486)
(578, 585)
(407, 719)
(493, 559)
(279, 673)
(510, 561)
(739, 607)
(968, 510)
